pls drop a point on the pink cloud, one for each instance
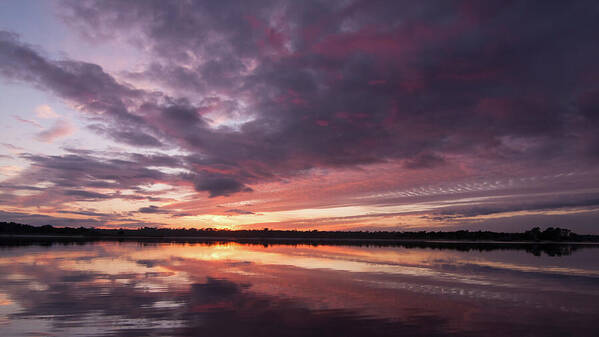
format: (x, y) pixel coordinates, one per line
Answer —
(61, 128)
(45, 111)
(27, 121)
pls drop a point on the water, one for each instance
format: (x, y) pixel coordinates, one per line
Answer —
(234, 289)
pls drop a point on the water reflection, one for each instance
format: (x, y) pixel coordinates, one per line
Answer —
(233, 289)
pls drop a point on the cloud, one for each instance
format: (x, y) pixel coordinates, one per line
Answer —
(89, 195)
(28, 121)
(86, 213)
(60, 129)
(588, 202)
(40, 220)
(424, 161)
(292, 108)
(13, 148)
(219, 185)
(57, 181)
(267, 92)
(291, 124)
(152, 210)
(9, 170)
(46, 112)
(239, 211)
(127, 136)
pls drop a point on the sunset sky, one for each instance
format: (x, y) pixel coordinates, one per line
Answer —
(330, 115)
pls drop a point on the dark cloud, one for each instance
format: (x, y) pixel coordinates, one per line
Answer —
(86, 213)
(127, 136)
(81, 171)
(219, 185)
(40, 220)
(75, 176)
(332, 91)
(20, 187)
(239, 211)
(86, 194)
(424, 161)
(327, 84)
(152, 210)
(565, 202)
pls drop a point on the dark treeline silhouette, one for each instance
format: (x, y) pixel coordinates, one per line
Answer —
(552, 241)
(535, 248)
(535, 234)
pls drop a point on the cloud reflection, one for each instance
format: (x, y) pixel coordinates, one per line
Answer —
(135, 289)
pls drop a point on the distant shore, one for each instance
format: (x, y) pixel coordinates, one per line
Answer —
(535, 235)
(281, 239)
(538, 248)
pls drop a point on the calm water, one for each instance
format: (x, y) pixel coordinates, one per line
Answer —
(232, 289)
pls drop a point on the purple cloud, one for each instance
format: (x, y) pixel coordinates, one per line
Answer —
(152, 210)
(261, 91)
(239, 211)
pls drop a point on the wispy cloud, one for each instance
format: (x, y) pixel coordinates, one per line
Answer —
(13, 148)
(28, 121)
(60, 129)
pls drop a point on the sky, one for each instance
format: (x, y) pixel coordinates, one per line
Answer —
(329, 115)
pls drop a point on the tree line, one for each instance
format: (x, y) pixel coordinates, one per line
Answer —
(535, 234)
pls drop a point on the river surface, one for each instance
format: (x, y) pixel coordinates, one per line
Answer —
(233, 289)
